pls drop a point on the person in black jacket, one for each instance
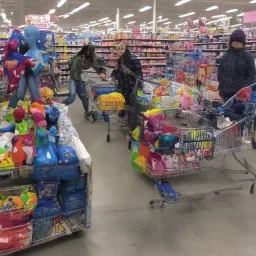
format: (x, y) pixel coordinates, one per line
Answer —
(236, 67)
(127, 71)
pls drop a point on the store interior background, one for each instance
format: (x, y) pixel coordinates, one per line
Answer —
(122, 223)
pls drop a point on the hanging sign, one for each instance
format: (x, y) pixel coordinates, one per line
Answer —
(250, 17)
(40, 21)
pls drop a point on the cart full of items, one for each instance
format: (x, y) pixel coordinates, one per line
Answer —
(105, 100)
(177, 133)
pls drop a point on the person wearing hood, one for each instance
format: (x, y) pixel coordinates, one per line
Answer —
(236, 67)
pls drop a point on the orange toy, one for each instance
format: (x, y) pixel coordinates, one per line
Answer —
(18, 154)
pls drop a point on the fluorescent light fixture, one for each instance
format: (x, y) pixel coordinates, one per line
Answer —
(2, 26)
(166, 23)
(21, 26)
(162, 20)
(232, 10)
(142, 25)
(182, 2)
(93, 22)
(253, 2)
(241, 14)
(131, 22)
(66, 16)
(213, 21)
(52, 11)
(218, 16)
(128, 16)
(61, 2)
(151, 22)
(104, 19)
(236, 25)
(215, 7)
(187, 14)
(3, 15)
(145, 8)
(181, 24)
(81, 7)
(62, 15)
(113, 22)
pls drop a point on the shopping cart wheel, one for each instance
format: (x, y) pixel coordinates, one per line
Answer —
(252, 189)
(217, 192)
(108, 138)
(129, 144)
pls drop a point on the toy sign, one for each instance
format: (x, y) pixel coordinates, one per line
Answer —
(40, 21)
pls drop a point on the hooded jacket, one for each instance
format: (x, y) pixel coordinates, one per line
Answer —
(128, 70)
(236, 70)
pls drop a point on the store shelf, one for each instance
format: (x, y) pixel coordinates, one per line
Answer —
(140, 39)
(210, 43)
(214, 50)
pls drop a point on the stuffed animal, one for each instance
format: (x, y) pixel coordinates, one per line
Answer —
(15, 64)
(186, 101)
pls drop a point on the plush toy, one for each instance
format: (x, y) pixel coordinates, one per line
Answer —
(186, 101)
(21, 127)
(15, 64)
(29, 198)
(18, 154)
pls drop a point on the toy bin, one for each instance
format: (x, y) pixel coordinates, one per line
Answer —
(15, 239)
(42, 228)
(16, 206)
(72, 201)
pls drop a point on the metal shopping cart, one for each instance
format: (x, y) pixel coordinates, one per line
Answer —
(179, 171)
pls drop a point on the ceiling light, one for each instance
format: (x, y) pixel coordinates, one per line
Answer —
(11, 13)
(182, 2)
(61, 16)
(232, 10)
(160, 17)
(218, 16)
(103, 19)
(21, 26)
(113, 22)
(236, 25)
(66, 16)
(145, 8)
(151, 22)
(187, 14)
(213, 21)
(253, 2)
(93, 22)
(81, 7)
(128, 16)
(106, 21)
(3, 15)
(166, 23)
(241, 14)
(212, 8)
(52, 11)
(162, 20)
(142, 25)
(131, 22)
(61, 2)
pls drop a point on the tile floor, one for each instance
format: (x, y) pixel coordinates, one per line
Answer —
(122, 223)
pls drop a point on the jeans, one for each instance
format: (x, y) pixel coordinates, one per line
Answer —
(77, 87)
(25, 82)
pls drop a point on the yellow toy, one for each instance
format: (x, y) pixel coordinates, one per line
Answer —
(6, 159)
(46, 93)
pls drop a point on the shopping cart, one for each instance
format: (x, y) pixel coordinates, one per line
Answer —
(179, 171)
(3, 90)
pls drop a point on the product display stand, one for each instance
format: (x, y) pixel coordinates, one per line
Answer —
(40, 203)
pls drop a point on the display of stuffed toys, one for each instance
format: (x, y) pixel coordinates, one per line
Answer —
(15, 64)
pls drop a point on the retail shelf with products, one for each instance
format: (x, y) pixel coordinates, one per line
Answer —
(42, 202)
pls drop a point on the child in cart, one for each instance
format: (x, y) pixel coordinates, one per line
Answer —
(85, 59)
(127, 73)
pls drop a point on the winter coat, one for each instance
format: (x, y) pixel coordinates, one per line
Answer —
(236, 70)
(128, 70)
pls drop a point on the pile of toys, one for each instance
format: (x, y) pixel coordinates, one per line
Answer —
(111, 101)
(42, 140)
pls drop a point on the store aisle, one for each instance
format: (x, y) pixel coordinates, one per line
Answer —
(122, 223)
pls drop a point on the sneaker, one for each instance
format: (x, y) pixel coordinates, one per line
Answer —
(87, 115)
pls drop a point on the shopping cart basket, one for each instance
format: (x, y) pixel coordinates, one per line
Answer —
(3, 90)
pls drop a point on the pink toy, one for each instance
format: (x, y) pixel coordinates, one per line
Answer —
(186, 101)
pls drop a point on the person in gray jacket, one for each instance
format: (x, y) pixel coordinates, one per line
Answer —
(236, 67)
(85, 59)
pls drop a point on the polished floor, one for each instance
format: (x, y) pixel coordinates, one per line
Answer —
(122, 223)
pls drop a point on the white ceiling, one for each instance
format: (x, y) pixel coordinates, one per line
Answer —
(107, 8)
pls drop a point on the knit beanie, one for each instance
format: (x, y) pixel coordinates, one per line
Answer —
(238, 36)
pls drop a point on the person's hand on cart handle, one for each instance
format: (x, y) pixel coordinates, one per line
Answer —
(103, 76)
